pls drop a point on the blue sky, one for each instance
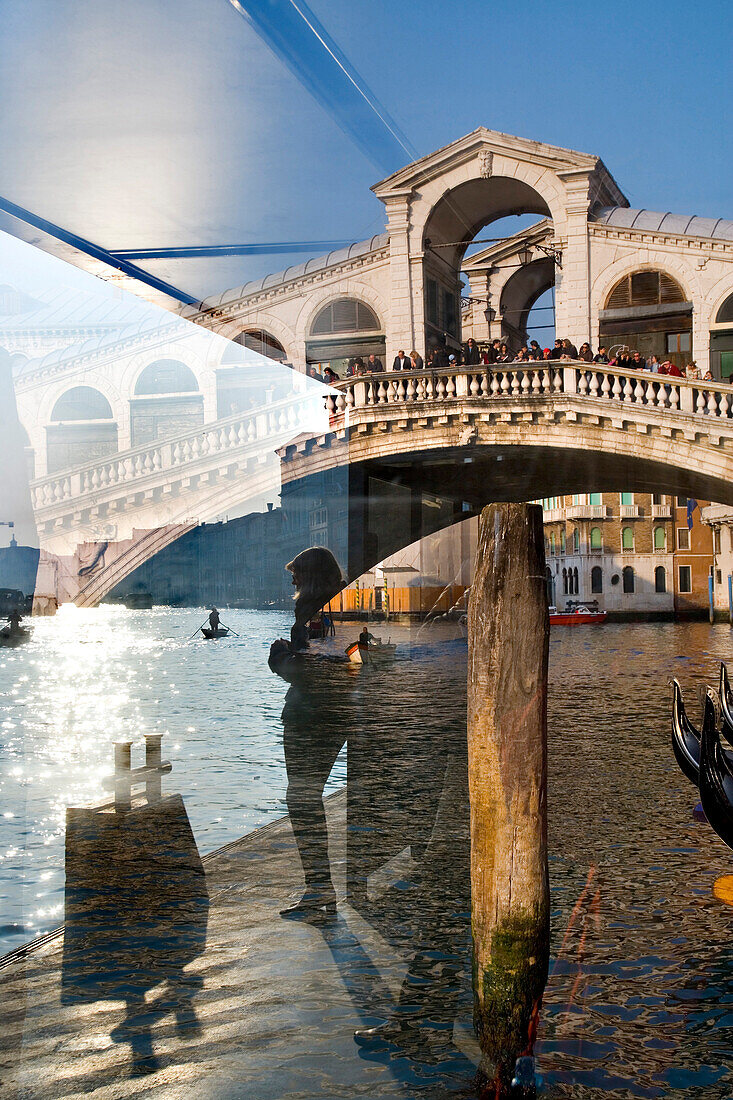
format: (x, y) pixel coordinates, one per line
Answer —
(148, 124)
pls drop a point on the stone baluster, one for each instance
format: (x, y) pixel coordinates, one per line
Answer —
(430, 387)
(422, 390)
(711, 403)
(441, 388)
(724, 406)
(391, 391)
(674, 398)
(401, 389)
(699, 402)
(504, 386)
(485, 384)
(638, 392)
(617, 391)
(341, 404)
(516, 385)
(594, 385)
(605, 387)
(382, 394)
(331, 405)
(525, 383)
(558, 381)
(628, 391)
(350, 399)
(583, 384)
(650, 395)
(474, 388)
(450, 389)
(495, 385)
(537, 380)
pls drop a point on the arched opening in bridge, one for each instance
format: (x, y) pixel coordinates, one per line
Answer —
(345, 330)
(166, 402)
(721, 342)
(648, 311)
(82, 429)
(243, 378)
(512, 273)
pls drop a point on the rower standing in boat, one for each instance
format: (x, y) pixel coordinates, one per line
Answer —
(365, 637)
(15, 618)
(214, 619)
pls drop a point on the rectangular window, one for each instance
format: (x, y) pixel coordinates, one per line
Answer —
(627, 498)
(678, 343)
(683, 538)
(450, 316)
(718, 576)
(681, 502)
(594, 498)
(685, 578)
(656, 498)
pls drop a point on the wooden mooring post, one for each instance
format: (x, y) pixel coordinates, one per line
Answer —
(508, 639)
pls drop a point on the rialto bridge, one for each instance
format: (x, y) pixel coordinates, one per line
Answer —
(160, 425)
(658, 282)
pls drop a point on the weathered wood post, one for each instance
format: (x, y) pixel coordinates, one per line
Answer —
(508, 639)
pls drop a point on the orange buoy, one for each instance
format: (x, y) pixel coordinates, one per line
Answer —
(723, 889)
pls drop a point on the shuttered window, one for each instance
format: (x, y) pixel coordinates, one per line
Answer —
(345, 315)
(644, 288)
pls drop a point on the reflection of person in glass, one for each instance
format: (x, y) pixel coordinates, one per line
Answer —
(315, 725)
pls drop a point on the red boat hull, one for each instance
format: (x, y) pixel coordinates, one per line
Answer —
(583, 618)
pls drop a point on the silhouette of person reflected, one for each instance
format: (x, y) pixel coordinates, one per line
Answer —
(315, 726)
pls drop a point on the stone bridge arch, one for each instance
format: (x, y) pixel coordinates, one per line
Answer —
(445, 198)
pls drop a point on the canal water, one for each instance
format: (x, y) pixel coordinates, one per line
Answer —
(640, 996)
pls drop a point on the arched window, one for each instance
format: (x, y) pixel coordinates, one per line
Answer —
(345, 315)
(553, 546)
(564, 582)
(166, 402)
(562, 540)
(82, 430)
(660, 541)
(166, 376)
(660, 579)
(725, 313)
(575, 580)
(576, 540)
(344, 330)
(645, 288)
(647, 311)
(260, 342)
(596, 579)
(628, 578)
(627, 539)
(82, 403)
(596, 538)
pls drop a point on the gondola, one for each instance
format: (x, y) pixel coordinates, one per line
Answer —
(726, 701)
(10, 637)
(716, 777)
(220, 632)
(686, 738)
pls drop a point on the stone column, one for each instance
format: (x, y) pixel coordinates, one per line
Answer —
(507, 760)
(572, 280)
(405, 325)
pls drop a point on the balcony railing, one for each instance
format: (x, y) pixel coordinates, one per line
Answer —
(630, 511)
(661, 511)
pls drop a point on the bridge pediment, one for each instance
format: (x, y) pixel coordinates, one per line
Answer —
(483, 148)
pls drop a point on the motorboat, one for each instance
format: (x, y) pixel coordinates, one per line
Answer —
(578, 615)
(220, 632)
(716, 776)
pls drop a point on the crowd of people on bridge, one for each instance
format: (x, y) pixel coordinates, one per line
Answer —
(496, 353)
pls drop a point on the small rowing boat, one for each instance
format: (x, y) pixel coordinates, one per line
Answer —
(220, 632)
(361, 654)
(13, 637)
(580, 615)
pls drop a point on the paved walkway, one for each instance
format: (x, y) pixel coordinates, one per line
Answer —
(226, 1000)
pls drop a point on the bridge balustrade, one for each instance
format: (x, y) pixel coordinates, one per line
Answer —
(533, 380)
(265, 424)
